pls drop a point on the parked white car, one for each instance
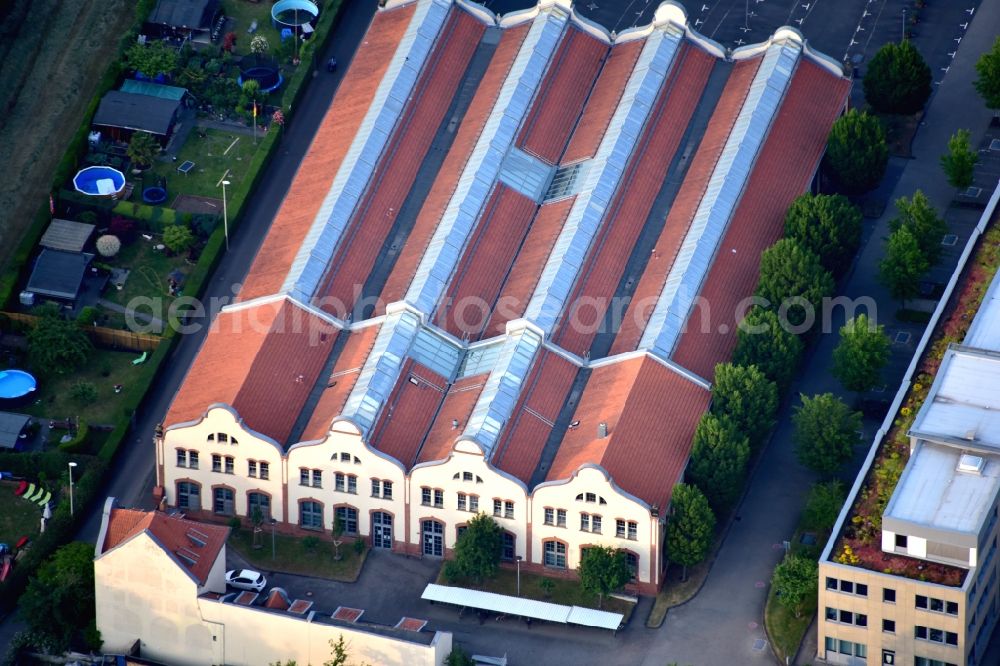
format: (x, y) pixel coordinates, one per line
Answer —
(245, 579)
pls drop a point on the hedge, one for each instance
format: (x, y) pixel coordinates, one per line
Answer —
(156, 217)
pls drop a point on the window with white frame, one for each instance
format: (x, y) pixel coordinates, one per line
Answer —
(474, 503)
(216, 463)
(584, 522)
(461, 502)
(311, 515)
(425, 496)
(595, 523)
(348, 517)
(230, 465)
(376, 488)
(497, 508)
(265, 471)
(555, 554)
(303, 476)
(439, 498)
(847, 648)
(182, 458)
(339, 482)
(317, 478)
(508, 509)
(633, 530)
(560, 517)
(252, 469)
(550, 516)
(387, 490)
(352, 484)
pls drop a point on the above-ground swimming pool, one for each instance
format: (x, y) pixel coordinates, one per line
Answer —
(99, 181)
(292, 13)
(16, 384)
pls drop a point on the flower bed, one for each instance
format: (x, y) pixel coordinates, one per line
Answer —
(859, 543)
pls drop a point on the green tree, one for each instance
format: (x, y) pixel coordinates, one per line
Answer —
(794, 580)
(745, 397)
(603, 570)
(764, 342)
(459, 657)
(823, 505)
(829, 225)
(794, 282)
(58, 603)
(857, 153)
(959, 162)
(861, 354)
(689, 528)
(718, 464)
(921, 218)
(84, 393)
(337, 532)
(151, 59)
(478, 550)
(143, 149)
(988, 81)
(57, 345)
(903, 265)
(898, 80)
(177, 237)
(339, 653)
(826, 432)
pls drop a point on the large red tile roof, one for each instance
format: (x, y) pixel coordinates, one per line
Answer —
(195, 546)
(363, 239)
(600, 275)
(409, 412)
(316, 173)
(545, 393)
(457, 406)
(602, 102)
(263, 361)
(784, 168)
(488, 258)
(561, 97)
(685, 205)
(447, 178)
(342, 378)
(651, 413)
(523, 275)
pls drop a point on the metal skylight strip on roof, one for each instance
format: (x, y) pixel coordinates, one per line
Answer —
(721, 197)
(359, 163)
(502, 389)
(483, 167)
(603, 178)
(381, 369)
(435, 352)
(480, 359)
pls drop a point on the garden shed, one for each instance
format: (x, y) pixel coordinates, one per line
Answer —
(122, 113)
(188, 17)
(59, 274)
(67, 235)
(11, 427)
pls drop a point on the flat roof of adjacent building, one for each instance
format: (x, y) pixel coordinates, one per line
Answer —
(494, 186)
(935, 493)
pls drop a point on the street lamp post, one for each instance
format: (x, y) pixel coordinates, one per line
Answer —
(71, 466)
(518, 575)
(225, 214)
(273, 523)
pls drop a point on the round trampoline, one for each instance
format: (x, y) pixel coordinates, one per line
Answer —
(262, 69)
(16, 385)
(154, 195)
(99, 181)
(293, 13)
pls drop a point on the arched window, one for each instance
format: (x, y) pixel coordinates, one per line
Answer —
(555, 554)
(311, 515)
(432, 533)
(348, 517)
(223, 501)
(632, 560)
(259, 501)
(188, 496)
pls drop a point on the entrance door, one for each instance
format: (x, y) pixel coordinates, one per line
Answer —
(433, 538)
(381, 530)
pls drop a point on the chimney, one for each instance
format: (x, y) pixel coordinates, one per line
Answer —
(602, 430)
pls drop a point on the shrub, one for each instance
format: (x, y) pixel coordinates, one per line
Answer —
(108, 245)
(359, 546)
(143, 149)
(123, 228)
(89, 316)
(177, 238)
(79, 441)
(235, 524)
(310, 543)
(83, 392)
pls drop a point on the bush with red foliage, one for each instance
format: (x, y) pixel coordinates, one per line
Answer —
(229, 42)
(122, 227)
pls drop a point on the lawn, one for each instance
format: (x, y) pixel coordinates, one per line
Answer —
(18, 517)
(295, 557)
(148, 277)
(566, 592)
(786, 630)
(243, 14)
(216, 154)
(104, 369)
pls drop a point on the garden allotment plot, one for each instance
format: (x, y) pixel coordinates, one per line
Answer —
(214, 153)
